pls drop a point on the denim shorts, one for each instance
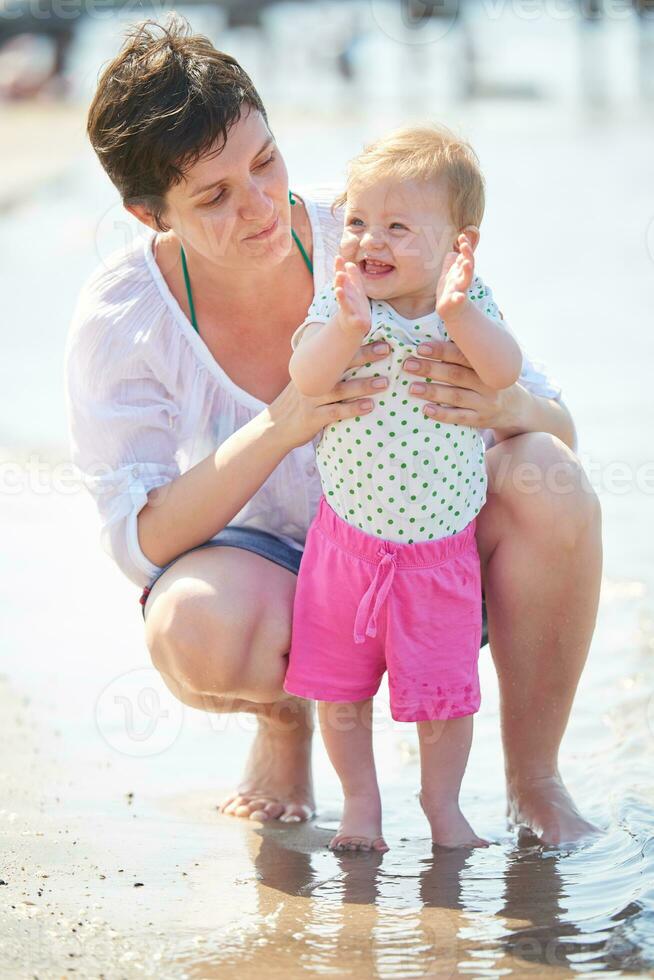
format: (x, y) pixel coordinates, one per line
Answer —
(250, 539)
(268, 546)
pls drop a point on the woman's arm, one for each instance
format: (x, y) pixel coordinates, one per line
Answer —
(457, 395)
(490, 350)
(124, 434)
(196, 505)
(523, 411)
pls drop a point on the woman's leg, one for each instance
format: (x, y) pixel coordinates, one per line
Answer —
(539, 539)
(346, 729)
(218, 627)
(444, 751)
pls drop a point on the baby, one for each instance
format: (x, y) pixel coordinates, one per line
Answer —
(390, 576)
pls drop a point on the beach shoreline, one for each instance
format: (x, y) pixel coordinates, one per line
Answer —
(97, 885)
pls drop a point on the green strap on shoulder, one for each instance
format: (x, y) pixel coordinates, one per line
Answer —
(297, 241)
(187, 278)
(187, 281)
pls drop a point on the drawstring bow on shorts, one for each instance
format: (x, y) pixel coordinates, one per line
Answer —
(385, 574)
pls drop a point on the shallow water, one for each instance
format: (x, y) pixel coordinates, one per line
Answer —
(568, 248)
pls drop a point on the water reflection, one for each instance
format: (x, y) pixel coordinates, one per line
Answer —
(424, 911)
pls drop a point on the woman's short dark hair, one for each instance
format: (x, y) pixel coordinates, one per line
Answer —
(163, 101)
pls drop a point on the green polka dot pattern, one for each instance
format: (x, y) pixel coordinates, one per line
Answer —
(393, 472)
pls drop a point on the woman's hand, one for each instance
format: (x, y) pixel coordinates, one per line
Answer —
(455, 392)
(299, 417)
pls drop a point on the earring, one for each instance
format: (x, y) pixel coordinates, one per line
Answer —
(291, 198)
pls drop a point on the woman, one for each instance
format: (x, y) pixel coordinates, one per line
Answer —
(181, 343)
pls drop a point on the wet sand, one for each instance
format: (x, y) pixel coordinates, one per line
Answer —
(101, 884)
(118, 865)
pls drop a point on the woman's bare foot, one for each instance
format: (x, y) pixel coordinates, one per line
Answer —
(360, 828)
(277, 783)
(543, 805)
(449, 827)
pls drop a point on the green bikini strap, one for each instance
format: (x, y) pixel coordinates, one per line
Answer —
(189, 294)
(187, 278)
(297, 241)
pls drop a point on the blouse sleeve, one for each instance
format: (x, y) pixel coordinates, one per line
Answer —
(322, 309)
(121, 429)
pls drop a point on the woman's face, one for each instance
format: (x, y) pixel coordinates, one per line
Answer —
(232, 206)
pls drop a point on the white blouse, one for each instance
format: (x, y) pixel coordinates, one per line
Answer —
(146, 400)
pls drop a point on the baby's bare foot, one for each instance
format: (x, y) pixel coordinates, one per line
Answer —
(360, 828)
(449, 827)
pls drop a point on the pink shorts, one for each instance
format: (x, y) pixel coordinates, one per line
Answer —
(364, 605)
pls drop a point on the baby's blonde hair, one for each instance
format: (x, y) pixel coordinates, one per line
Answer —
(426, 152)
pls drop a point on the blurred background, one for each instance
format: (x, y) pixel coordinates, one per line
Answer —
(557, 97)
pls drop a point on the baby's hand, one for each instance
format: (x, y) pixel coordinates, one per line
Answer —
(455, 280)
(354, 305)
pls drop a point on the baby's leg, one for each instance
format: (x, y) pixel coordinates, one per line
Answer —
(444, 750)
(347, 733)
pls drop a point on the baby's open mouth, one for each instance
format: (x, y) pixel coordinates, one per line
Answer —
(375, 269)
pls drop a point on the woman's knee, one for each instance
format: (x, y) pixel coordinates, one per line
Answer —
(214, 645)
(543, 485)
(192, 638)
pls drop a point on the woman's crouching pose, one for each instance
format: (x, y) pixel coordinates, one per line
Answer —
(200, 451)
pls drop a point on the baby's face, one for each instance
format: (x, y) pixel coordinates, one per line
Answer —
(399, 233)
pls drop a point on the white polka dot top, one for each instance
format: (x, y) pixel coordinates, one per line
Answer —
(394, 472)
